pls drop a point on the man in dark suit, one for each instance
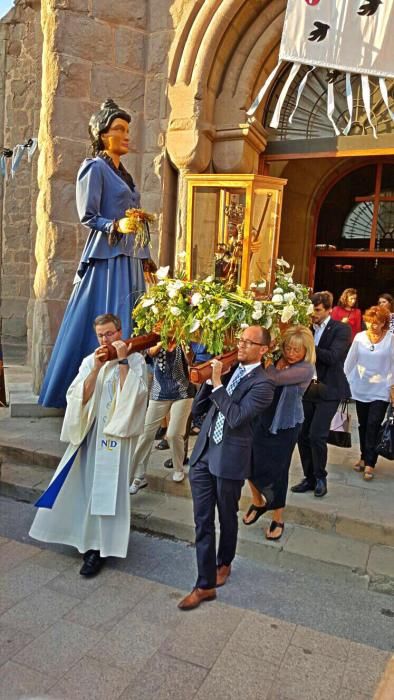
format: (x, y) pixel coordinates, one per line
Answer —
(221, 458)
(322, 398)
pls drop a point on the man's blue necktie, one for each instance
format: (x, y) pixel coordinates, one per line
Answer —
(234, 381)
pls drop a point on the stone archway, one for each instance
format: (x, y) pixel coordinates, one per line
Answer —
(220, 56)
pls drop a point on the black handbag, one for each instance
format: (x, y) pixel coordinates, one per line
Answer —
(339, 434)
(385, 445)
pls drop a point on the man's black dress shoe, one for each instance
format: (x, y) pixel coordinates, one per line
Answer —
(304, 486)
(320, 488)
(92, 563)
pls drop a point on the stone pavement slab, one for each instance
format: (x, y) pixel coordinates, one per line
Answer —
(238, 675)
(166, 678)
(90, 678)
(39, 611)
(59, 648)
(13, 553)
(144, 647)
(17, 681)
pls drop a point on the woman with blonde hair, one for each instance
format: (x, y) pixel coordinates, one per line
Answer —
(276, 430)
(369, 368)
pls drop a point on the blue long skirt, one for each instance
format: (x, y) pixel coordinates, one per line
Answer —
(108, 286)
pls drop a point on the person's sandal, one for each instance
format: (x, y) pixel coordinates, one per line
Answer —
(274, 525)
(258, 510)
(368, 474)
(359, 466)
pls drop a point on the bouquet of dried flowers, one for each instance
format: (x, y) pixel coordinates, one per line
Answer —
(140, 220)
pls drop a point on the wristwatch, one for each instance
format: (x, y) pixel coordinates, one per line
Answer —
(123, 362)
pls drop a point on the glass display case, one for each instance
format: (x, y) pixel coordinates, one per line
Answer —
(233, 224)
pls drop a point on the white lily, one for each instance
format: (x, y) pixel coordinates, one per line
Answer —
(209, 279)
(195, 326)
(287, 313)
(278, 290)
(256, 315)
(219, 314)
(268, 323)
(310, 309)
(162, 272)
(175, 311)
(277, 299)
(289, 296)
(282, 263)
(147, 302)
(196, 299)
(155, 309)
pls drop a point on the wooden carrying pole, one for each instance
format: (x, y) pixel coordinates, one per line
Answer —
(197, 373)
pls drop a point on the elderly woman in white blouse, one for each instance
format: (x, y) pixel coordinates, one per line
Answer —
(369, 368)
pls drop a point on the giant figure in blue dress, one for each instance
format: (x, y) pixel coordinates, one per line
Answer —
(110, 275)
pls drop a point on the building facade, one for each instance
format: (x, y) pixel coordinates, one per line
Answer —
(187, 70)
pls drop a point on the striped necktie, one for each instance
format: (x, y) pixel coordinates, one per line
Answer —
(233, 383)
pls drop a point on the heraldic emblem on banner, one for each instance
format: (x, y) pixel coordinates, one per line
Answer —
(344, 36)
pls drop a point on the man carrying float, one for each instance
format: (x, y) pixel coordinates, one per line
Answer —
(87, 504)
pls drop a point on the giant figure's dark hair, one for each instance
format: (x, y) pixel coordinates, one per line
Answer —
(102, 120)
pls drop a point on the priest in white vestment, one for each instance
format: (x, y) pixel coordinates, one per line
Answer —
(106, 406)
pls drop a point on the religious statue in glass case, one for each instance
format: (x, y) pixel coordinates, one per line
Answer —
(233, 227)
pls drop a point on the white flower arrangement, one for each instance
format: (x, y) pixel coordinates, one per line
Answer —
(209, 312)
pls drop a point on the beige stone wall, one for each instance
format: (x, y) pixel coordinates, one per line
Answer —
(21, 79)
(92, 50)
(186, 70)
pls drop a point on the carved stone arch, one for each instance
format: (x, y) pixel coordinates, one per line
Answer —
(219, 57)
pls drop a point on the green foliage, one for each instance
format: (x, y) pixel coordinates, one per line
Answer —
(206, 311)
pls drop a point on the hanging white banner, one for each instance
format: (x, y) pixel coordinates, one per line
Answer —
(354, 36)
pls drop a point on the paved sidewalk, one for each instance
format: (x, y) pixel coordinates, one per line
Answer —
(122, 636)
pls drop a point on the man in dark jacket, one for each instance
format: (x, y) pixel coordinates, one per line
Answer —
(322, 398)
(221, 458)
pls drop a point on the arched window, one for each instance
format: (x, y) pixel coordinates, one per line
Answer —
(358, 213)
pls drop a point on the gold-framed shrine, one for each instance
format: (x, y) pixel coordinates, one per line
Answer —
(232, 227)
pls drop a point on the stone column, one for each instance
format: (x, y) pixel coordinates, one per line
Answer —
(21, 74)
(93, 49)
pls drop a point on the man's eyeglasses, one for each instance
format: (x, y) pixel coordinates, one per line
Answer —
(108, 334)
(247, 343)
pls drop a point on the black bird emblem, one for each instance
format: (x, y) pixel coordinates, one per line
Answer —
(370, 7)
(320, 32)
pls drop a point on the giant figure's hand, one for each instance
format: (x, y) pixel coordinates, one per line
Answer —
(125, 225)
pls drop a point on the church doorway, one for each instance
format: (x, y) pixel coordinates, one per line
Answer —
(338, 210)
(354, 234)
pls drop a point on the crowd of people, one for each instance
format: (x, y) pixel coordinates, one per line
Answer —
(248, 419)
(253, 418)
